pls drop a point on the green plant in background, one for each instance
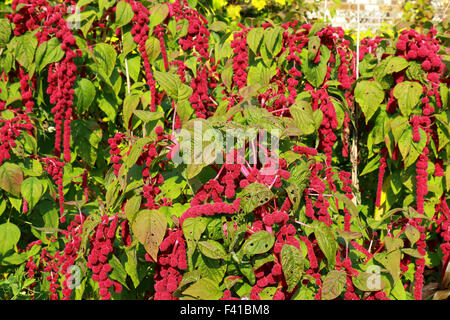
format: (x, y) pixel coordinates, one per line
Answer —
(417, 11)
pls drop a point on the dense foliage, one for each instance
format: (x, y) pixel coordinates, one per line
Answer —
(115, 116)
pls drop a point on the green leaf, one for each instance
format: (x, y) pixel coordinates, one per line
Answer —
(124, 14)
(443, 128)
(210, 268)
(292, 265)
(193, 229)
(413, 253)
(444, 92)
(317, 26)
(14, 259)
(183, 27)
(108, 105)
(255, 195)
(135, 152)
(132, 207)
(395, 64)
(147, 116)
(369, 95)
(6, 62)
(313, 47)
(118, 271)
(227, 77)
(415, 72)
(259, 242)
(84, 94)
(315, 72)
(404, 143)
(373, 165)
(267, 293)
(88, 24)
(86, 136)
(412, 234)
(204, 289)
(24, 48)
(254, 38)
(333, 284)
(9, 236)
(5, 32)
(349, 235)
(48, 52)
(153, 49)
(188, 278)
(32, 190)
(273, 40)
(172, 84)
(304, 293)
(393, 243)
(130, 104)
(158, 14)
(11, 178)
(260, 74)
(417, 148)
(212, 249)
(260, 260)
(398, 126)
(326, 240)
(408, 95)
(218, 26)
(112, 192)
(2, 206)
(150, 228)
(133, 269)
(398, 291)
(106, 56)
(351, 207)
(303, 115)
(89, 225)
(128, 43)
(391, 261)
(366, 281)
(184, 111)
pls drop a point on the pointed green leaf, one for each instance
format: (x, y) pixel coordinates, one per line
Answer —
(369, 95)
(254, 38)
(326, 240)
(150, 228)
(412, 234)
(333, 284)
(124, 13)
(172, 84)
(204, 289)
(158, 14)
(84, 94)
(153, 49)
(32, 190)
(408, 95)
(292, 265)
(212, 249)
(11, 178)
(9, 236)
(259, 242)
(255, 195)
